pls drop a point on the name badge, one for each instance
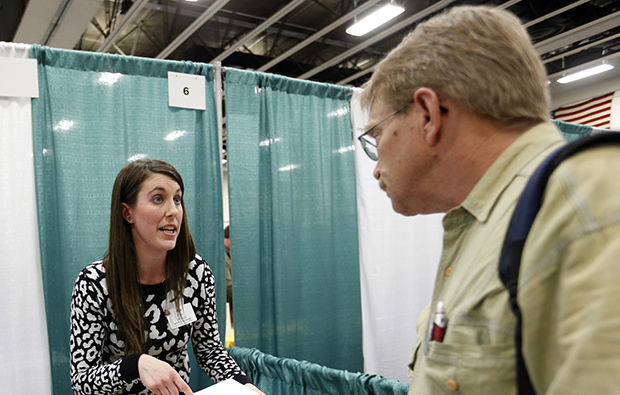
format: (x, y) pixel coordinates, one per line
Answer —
(180, 317)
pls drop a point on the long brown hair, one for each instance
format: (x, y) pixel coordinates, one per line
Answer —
(120, 261)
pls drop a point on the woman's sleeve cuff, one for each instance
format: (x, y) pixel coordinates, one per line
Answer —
(129, 368)
(242, 378)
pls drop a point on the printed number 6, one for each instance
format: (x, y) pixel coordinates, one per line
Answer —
(186, 91)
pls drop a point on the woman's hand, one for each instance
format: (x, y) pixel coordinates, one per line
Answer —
(252, 387)
(160, 378)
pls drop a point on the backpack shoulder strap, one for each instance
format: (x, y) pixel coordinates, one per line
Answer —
(522, 219)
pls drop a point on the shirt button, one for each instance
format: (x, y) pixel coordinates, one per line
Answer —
(452, 385)
(448, 271)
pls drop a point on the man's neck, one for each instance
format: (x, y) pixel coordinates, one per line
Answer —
(477, 145)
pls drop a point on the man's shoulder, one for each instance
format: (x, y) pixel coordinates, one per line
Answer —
(581, 198)
(588, 181)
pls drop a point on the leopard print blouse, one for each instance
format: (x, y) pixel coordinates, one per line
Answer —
(98, 363)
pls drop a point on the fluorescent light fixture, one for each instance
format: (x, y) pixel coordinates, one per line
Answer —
(375, 20)
(191, 1)
(601, 68)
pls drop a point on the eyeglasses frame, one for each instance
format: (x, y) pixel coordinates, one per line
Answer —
(366, 142)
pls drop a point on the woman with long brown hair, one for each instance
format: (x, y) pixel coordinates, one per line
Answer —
(134, 311)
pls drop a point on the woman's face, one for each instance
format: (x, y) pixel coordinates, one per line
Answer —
(156, 217)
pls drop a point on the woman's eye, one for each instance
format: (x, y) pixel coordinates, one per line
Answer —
(157, 199)
(177, 200)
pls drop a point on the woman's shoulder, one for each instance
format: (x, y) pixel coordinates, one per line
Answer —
(198, 262)
(93, 272)
(92, 277)
(198, 267)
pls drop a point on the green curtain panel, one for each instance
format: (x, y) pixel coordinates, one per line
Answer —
(95, 113)
(293, 219)
(573, 131)
(286, 376)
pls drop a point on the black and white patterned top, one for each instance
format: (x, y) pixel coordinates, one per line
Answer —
(98, 363)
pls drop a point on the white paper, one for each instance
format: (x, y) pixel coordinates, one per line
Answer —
(187, 91)
(227, 387)
(19, 77)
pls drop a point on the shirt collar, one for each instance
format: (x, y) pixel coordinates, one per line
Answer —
(529, 146)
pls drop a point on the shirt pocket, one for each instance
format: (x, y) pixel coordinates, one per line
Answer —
(471, 369)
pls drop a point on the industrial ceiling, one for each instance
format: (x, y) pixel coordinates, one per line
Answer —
(300, 38)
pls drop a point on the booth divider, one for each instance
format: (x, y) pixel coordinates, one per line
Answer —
(286, 376)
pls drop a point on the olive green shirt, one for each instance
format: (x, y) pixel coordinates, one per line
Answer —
(569, 291)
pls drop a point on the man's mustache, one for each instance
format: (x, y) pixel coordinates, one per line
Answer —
(382, 184)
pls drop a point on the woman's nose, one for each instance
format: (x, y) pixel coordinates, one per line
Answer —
(171, 208)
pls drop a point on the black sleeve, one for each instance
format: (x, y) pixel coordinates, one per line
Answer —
(88, 371)
(129, 368)
(208, 348)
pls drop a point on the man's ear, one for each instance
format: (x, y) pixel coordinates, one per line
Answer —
(127, 213)
(427, 102)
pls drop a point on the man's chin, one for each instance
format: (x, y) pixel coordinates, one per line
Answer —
(399, 209)
(404, 209)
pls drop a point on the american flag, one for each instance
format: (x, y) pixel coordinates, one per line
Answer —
(595, 112)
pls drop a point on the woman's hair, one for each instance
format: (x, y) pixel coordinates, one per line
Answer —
(120, 261)
(480, 58)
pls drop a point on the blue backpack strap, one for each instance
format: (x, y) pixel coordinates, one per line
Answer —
(522, 219)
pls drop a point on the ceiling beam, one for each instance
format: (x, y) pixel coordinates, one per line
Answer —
(581, 48)
(129, 17)
(337, 23)
(531, 23)
(556, 12)
(191, 29)
(584, 66)
(36, 21)
(258, 30)
(508, 4)
(385, 33)
(71, 23)
(357, 75)
(579, 33)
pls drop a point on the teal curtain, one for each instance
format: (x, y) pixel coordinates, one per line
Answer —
(286, 376)
(95, 113)
(573, 131)
(293, 219)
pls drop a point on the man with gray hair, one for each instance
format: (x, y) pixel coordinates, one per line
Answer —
(459, 120)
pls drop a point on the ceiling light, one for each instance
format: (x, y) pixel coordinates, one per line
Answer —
(585, 73)
(375, 20)
(191, 1)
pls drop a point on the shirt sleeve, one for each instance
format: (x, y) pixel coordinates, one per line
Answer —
(208, 348)
(89, 374)
(570, 289)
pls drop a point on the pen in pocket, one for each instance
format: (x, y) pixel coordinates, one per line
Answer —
(439, 324)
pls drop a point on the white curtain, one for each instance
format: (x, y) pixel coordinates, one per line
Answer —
(398, 264)
(24, 359)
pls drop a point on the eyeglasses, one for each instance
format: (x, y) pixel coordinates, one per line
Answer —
(369, 143)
